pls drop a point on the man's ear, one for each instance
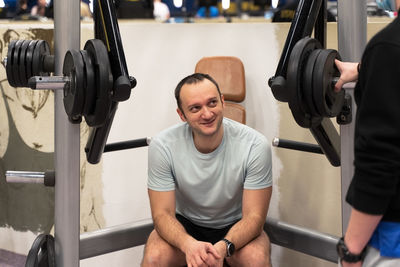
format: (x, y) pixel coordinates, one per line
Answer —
(181, 115)
(223, 101)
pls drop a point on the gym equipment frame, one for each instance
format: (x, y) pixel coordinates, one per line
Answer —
(301, 239)
(69, 245)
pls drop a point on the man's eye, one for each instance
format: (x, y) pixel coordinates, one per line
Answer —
(213, 103)
(194, 109)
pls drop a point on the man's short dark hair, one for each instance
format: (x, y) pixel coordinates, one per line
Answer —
(193, 79)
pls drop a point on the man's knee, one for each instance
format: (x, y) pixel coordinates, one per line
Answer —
(257, 256)
(157, 252)
(256, 253)
(152, 257)
(254, 258)
(157, 257)
(260, 257)
(153, 251)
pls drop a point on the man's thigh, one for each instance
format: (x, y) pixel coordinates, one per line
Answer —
(255, 253)
(158, 252)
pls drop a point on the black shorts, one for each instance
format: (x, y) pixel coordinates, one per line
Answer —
(201, 233)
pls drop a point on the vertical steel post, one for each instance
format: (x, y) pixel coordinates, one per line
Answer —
(352, 38)
(67, 142)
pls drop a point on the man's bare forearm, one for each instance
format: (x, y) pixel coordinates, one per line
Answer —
(246, 230)
(360, 229)
(255, 208)
(169, 228)
(165, 223)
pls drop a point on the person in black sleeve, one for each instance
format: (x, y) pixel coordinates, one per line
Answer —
(373, 234)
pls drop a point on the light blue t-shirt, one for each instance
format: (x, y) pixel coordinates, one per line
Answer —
(208, 187)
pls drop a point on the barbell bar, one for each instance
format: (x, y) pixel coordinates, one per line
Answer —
(29, 177)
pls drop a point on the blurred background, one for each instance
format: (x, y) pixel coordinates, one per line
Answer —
(177, 11)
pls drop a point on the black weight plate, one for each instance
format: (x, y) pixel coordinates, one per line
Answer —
(103, 82)
(74, 91)
(295, 73)
(308, 83)
(15, 67)
(90, 88)
(336, 98)
(28, 58)
(51, 253)
(42, 252)
(36, 58)
(21, 63)
(10, 63)
(328, 102)
(45, 51)
(42, 49)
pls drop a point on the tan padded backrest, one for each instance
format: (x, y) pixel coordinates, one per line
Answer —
(228, 72)
(235, 112)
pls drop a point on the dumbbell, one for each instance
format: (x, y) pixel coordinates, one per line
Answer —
(311, 77)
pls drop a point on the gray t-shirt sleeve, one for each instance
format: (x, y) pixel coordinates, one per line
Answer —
(160, 177)
(259, 166)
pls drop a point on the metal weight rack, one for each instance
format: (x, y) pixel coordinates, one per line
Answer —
(69, 246)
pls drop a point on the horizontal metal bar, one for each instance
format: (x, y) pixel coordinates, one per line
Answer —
(306, 147)
(25, 177)
(47, 178)
(48, 82)
(349, 86)
(127, 144)
(303, 240)
(116, 238)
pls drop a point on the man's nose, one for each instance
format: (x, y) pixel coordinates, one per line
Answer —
(206, 113)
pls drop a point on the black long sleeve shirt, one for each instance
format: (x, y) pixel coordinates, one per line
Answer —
(375, 188)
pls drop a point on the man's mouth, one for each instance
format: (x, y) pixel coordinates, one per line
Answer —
(208, 123)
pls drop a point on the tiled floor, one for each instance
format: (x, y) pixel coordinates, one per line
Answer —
(10, 259)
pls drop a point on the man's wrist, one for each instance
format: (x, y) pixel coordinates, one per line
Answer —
(347, 255)
(353, 245)
(230, 247)
(186, 243)
(221, 248)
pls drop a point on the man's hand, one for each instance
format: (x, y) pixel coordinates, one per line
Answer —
(348, 73)
(201, 254)
(213, 261)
